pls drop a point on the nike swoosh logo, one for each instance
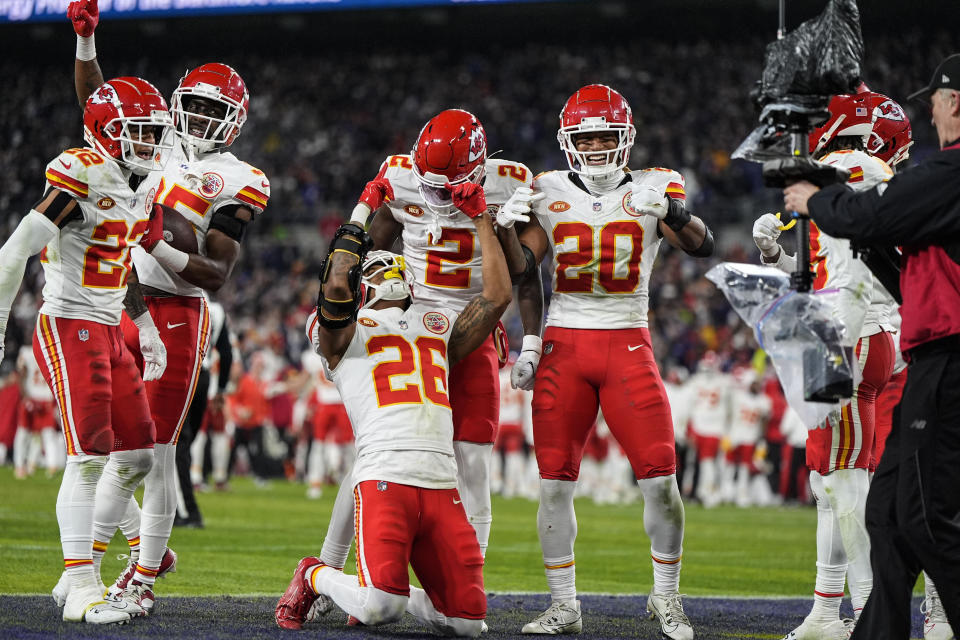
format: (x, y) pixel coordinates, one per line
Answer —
(174, 326)
(633, 347)
(455, 501)
(265, 185)
(66, 165)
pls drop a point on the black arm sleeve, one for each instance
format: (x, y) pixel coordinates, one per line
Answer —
(60, 202)
(226, 357)
(921, 206)
(225, 219)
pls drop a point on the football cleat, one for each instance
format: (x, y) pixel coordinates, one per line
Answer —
(816, 630)
(935, 623)
(62, 589)
(320, 607)
(353, 621)
(294, 604)
(483, 627)
(668, 609)
(168, 564)
(138, 595)
(560, 617)
(87, 605)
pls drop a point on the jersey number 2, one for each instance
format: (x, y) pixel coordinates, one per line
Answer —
(433, 377)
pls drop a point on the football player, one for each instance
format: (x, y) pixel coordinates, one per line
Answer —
(839, 450)
(219, 195)
(97, 207)
(389, 353)
(36, 422)
(604, 225)
(411, 197)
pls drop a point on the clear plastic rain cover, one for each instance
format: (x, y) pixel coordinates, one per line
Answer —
(806, 342)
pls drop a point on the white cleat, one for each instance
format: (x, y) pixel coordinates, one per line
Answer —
(87, 605)
(935, 623)
(483, 627)
(668, 609)
(558, 618)
(62, 589)
(321, 606)
(816, 630)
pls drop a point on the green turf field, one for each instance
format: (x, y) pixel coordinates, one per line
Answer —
(255, 536)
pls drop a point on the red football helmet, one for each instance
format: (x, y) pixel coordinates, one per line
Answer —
(451, 147)
(596, 107)
(219, 83)
(849, 116)
(891, 137)
(118, 118)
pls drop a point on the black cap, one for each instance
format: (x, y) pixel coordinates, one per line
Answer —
(947, 76)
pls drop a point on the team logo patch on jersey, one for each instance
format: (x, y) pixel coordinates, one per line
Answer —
(367, 322)
(628, 205)
(413, 210)
(382, 485)
(559, 206)
(83, 334)
(211, 185)
(106, 203)
(436, 322)
(148, 204)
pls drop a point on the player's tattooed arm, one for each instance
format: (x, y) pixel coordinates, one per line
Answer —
(333, 343)
(86, 78)
(481, 314)
(133, 302)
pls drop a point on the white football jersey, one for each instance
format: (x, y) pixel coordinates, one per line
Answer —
(749, 413)
(866, 172)
(393, 381)
(197, 189)
(446, 270)
(603, 249)
(709, 397)
(86, 264)
(33, 384)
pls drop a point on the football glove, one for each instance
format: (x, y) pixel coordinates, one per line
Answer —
(648, 200)
(377, 191)
(525, 368)
(766, 231)
(468, 197)
(517, 208)
(154, 232)
(151, 347)
(84, 16)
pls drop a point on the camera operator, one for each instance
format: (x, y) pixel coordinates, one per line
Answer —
(913, 508)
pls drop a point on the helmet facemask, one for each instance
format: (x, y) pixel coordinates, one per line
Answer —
(128, 134)
(397, 283)
(436, 196)
(204, 133)
(616, 158)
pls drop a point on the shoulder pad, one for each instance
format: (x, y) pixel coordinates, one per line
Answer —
(70, 171)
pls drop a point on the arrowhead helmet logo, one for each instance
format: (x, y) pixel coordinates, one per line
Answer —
(478, 144)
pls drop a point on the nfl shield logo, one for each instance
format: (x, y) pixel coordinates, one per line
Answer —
(83, 334)
(382, 485)
(597, 206)
(547, 348)
(403, 324)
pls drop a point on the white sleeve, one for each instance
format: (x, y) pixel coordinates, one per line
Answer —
(29, 238)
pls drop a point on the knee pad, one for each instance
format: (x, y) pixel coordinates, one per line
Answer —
(131, 466)
(846, 489)
(382, 607)
(556, 495)
(88, 468)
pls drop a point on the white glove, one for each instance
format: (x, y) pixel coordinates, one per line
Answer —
(517, 208)
(1, 347)
(649, 200)
(151, 348)
(766, 230)
(525, 368)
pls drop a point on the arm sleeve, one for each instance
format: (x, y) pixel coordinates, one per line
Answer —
(29, 238)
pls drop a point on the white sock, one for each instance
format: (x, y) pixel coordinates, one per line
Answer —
(75, 503)
(336, 544)
(663, 520)
(316, 470)
(21, 448)
(367, 604)
(121, 476)
(220, 455)
(473, 482)
(707, 486)
(557, 527)
(159, 509)
(831, 558)
(421, 607)
(847, 491)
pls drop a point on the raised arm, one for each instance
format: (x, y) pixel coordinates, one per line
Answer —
(84, 15)
(482, 313)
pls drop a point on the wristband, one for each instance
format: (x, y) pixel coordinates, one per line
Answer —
(360, 214)
(86, 48)
(169, 257)
(531, 343)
